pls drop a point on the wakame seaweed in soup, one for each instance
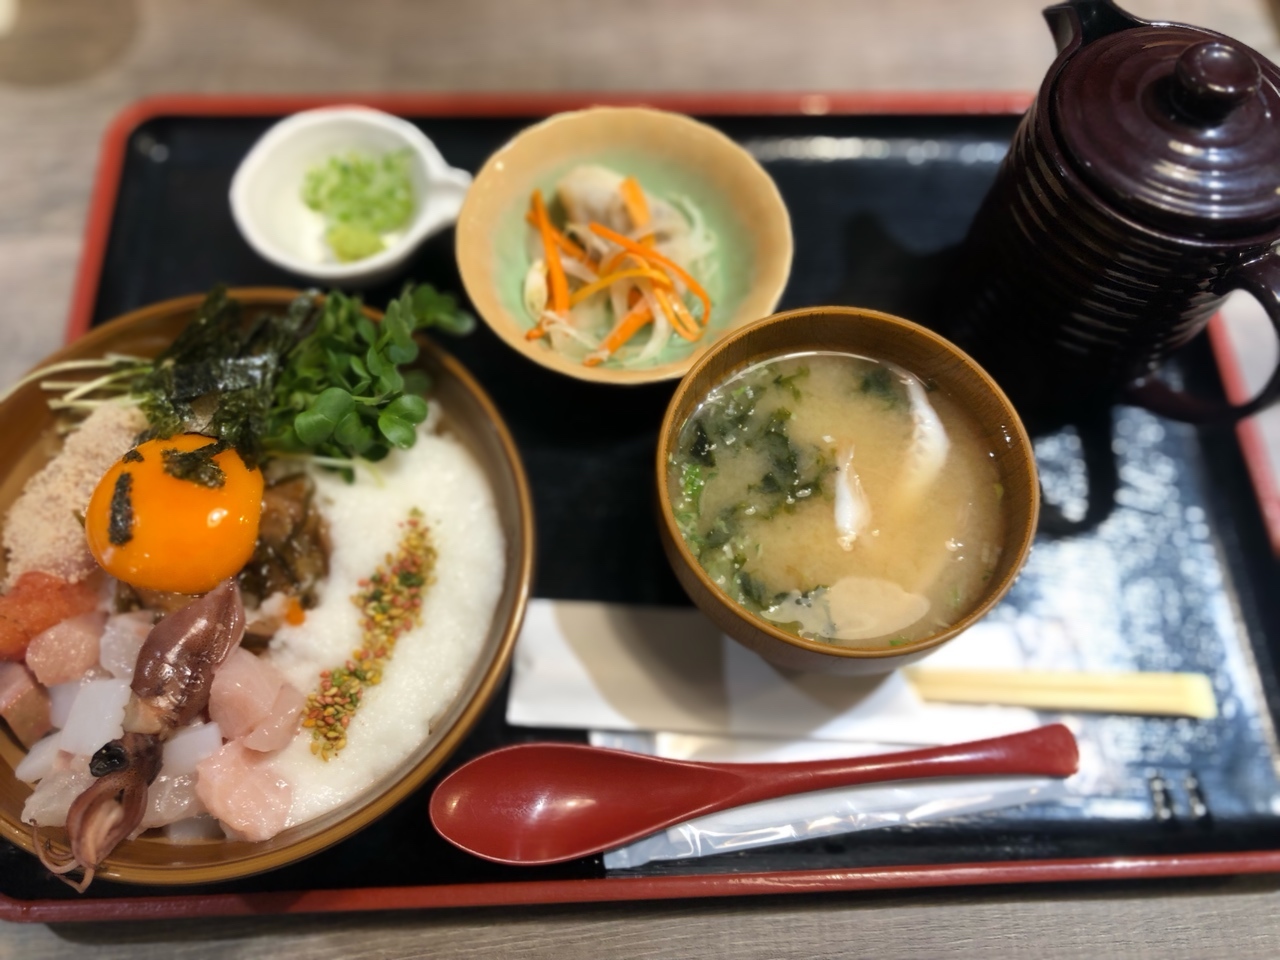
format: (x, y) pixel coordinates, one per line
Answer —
(845, 499)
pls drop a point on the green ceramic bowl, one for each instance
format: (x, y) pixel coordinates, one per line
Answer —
(673, 156)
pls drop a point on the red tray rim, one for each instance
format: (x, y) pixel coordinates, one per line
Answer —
(605, 889)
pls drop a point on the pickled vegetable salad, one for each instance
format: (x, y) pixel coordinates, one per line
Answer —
(624, 262)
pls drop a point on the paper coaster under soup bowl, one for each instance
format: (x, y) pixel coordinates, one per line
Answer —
(29, 434)
(687, 170)
(843, 491)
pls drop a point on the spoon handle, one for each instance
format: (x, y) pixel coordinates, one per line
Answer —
(1048, 751)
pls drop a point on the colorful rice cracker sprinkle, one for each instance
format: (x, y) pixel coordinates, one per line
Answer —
(390, 602)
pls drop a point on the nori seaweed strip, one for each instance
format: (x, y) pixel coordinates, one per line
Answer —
(218, 377)
(196, 465)
(120, 526)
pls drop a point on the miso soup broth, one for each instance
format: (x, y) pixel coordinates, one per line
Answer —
(843, 498)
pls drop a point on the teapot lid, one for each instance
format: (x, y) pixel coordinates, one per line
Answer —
(1176, 126)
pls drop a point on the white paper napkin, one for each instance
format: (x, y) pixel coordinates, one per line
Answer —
(598, 666)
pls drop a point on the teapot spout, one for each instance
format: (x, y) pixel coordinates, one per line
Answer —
(1079, 22)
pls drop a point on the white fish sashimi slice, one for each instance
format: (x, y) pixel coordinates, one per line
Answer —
(927, 452)
(852, 509)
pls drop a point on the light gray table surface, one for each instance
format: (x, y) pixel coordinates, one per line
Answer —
(67, 66)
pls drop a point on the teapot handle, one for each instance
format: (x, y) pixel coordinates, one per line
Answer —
(1261, 278)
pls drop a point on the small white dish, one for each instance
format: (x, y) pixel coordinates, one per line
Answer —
(266, 191)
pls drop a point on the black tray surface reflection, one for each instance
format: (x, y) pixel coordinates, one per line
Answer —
(1178, 576)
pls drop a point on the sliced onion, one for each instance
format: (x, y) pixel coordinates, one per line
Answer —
(535, 288)
(575, 268)
(661, 330)
(556, 323)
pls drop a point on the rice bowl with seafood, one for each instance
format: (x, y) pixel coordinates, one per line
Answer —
(432, 521)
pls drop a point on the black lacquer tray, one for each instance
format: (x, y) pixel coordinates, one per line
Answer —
(1178, 574)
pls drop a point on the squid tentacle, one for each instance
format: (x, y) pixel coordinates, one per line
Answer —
(170, 689)
(108, 810)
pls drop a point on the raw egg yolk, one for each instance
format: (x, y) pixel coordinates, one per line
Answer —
(153, 530)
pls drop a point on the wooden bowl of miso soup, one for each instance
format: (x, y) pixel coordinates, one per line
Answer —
(842, 490)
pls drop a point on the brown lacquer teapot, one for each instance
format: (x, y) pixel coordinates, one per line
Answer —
(1142, 186)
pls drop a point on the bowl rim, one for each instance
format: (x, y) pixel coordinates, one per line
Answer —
(669, 430)
(602, 374)
(490, 678)
(429, 216)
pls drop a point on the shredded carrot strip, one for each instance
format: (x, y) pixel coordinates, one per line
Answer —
(563, 241)
(629, 326)
(634, 200)
(615, 261)
(612, 264)
(676, 320)
(608, 280)
(555, 271)
(653, 256)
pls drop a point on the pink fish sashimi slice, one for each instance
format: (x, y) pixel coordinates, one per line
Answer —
(24, 704)
(239, 787)
(243, 692)
(66, 650)
(280, 724)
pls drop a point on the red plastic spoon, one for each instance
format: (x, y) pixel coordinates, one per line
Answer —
(549, 802)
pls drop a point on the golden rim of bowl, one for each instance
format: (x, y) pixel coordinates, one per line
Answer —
(670, 430)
